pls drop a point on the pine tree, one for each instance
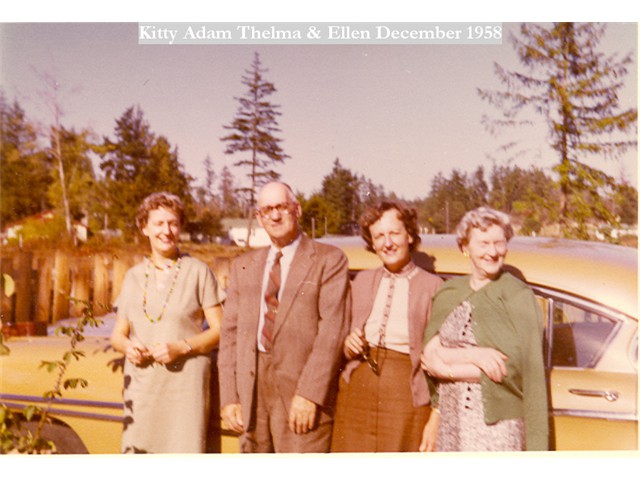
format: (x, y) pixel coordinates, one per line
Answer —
(136, 164)
(317, 215)
(253, 131)
(206, 222)
(340, 189)
(210, 177)
(450, 198)
(575, 88)
(25, 172)
(229, 203)
(478, 189)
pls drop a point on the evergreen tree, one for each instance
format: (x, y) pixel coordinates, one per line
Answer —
(206, 223)
(537, 204)
(253, 134)
(626, 204)
(448, 201)
(229, 203)
(137, 164)
(340, 189)
(25, 172)
(478, 189)
(210, 177)
(369, 193)
(166, 172)
(507, 187)
(575, 88)
(318, 217)
(253, 131)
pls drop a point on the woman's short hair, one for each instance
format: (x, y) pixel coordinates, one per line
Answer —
(406, 214)
(156, 200)
(482, 218)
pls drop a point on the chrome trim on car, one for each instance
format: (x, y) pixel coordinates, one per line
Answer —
(577, 300)
(12, 402)
(613, 416)
(609, 395)
(72, 413)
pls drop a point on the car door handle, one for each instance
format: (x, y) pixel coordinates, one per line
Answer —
(609, 395)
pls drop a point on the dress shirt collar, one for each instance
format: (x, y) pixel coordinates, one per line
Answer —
(287, 252)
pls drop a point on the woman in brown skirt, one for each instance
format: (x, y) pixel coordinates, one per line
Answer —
(383, 401)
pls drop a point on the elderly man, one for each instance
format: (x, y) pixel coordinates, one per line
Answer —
(285, 319)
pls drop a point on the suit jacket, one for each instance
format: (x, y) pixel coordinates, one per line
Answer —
(310, 327)
(422, 288)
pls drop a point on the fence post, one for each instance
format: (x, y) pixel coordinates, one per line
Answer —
(101, 299)
(22, 268)
(61, 286)
(45, 289)
(121, 264)
(81, 285)
(6, 305)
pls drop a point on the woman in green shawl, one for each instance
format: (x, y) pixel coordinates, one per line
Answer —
(483, 349)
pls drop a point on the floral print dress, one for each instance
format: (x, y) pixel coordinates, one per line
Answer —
(462, 426)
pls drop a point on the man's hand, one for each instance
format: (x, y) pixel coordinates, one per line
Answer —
(232, 415)
(302, 415)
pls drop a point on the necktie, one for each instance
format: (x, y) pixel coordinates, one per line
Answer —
(271, 299)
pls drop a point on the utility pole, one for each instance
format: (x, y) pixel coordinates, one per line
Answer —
(446, 214)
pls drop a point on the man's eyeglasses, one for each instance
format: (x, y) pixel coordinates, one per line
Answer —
(282, 208)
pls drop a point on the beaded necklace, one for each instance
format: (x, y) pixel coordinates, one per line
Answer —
(177, 264)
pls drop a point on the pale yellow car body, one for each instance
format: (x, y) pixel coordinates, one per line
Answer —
(598, 277)
(93, 414)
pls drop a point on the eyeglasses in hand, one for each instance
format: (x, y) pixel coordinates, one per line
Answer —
(366, 355)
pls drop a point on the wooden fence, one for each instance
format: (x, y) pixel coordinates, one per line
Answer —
(41, 286)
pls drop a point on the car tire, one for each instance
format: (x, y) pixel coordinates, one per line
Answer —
(66, 441)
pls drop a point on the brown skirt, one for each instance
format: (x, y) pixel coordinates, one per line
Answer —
(376, 413)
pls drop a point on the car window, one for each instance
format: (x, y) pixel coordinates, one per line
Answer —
(579, 335)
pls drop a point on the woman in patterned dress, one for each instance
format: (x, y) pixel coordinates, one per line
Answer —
(483, 349)
(160, 328)
(383, 398)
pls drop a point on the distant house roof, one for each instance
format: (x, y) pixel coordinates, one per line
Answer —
(12, 229)
(236, 230)
(228, 223)
(44, 216)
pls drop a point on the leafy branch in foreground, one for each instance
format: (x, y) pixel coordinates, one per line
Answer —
(14, 436)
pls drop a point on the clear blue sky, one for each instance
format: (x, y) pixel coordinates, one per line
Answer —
(396, 114)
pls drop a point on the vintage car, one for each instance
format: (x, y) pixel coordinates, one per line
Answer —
(587, 290)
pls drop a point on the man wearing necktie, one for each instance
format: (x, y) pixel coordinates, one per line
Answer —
(285, 319)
